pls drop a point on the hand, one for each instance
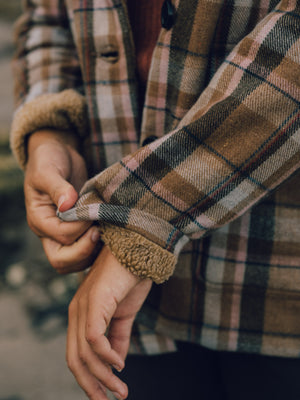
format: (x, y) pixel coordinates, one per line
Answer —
(107, 301)
(54, 174)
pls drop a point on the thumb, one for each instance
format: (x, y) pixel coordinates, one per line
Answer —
(119, 335)
(67, 199)
(61, 192)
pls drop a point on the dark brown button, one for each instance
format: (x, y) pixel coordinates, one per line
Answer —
(167, 15)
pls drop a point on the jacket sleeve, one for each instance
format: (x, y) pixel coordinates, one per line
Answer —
(238, 143)
(47, 77)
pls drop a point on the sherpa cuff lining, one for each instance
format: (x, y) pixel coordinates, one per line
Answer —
(62, 111)
(139, 255)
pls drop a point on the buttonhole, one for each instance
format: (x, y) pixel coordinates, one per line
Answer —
(110, 56)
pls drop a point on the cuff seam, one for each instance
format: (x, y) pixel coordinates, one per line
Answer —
(139, 255)
(62, 111)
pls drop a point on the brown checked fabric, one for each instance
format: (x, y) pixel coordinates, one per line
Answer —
(211, 206)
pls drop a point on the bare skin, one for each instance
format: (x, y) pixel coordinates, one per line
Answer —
(102, 311)
(54, 175)
(106, 302)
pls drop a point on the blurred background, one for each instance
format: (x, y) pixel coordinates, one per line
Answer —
(33, 298)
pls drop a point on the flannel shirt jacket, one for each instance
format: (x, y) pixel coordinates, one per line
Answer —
(202, 186)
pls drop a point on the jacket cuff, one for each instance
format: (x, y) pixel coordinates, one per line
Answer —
(139, 255)
(62, 111)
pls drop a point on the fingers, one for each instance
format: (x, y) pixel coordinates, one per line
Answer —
(44, 223)
(119, 335)
(109, 296)
(121, 324)
(92, 387)
(49, 171)
(75, 257)
(42, 219)
(97, 316)
(60, 191)
(91, 372)
(54, 174)
(99, 367)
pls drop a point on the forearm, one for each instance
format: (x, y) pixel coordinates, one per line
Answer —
(43, 136)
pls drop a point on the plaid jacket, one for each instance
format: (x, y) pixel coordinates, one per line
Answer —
(206, 178)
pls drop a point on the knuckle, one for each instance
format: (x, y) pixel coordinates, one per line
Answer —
(91, 337)
(71, 363)
(82, 356)
(84, 253)
(92, 394)
(65, 239)
(63, 271)
(108, 375)
(57, 264)
(34, 179)
(30, 223)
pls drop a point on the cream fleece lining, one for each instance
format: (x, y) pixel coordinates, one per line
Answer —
(141, 256)
(62, 111)
(67, 111)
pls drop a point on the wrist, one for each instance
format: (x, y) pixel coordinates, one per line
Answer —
(43, 136)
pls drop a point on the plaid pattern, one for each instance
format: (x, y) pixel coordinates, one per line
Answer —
(223, 99)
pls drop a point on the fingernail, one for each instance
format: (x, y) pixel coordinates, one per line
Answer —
(117, 368)
(118, 395)
(95, 235)
(61, 201)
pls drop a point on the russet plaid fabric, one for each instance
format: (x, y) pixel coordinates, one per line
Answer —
(222, 99)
